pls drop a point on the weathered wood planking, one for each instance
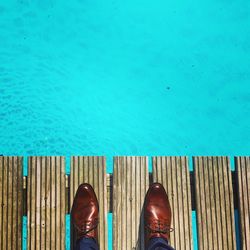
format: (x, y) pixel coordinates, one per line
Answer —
(214, 203)
(92, 170)
(11, 202)
(46, 203)
(173, 174)
(110, 192)
(243, 177)
(130, 184)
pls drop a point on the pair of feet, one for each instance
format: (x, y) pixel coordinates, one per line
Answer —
(157, 212)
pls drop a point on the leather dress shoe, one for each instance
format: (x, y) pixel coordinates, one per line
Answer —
(157, 213)
(85, 212)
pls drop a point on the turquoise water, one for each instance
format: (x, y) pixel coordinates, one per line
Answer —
(124, 77)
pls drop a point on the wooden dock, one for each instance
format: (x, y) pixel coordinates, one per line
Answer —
(45, 196)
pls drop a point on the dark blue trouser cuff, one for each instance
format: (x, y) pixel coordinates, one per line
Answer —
(86, 244)
(154, 244)
(159, 244)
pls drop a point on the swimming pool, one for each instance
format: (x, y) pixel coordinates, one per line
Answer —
(124, 78)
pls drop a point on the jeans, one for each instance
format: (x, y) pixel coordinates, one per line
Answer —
(159, 244)
(86, 244)
(154, 244)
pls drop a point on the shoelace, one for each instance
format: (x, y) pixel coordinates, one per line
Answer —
(87, 224)
(159, 227)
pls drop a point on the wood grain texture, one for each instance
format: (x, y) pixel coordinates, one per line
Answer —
(243, 181)
(92, 170)
(46, 202)
(130, 184)
(173, 174)
(110, 192)
(214, 203)
(11, 204)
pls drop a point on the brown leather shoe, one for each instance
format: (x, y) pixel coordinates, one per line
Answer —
(157, 213)
(85, 212)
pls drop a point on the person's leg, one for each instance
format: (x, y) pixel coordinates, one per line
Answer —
(86, 244)
(159, 244)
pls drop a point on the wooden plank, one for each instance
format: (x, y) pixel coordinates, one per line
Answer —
(43, 204)
(173, 174)
(92, 170)
(110, 192)
(214, 203)
(243, 177)
(46, 202)
(11, 205)
(130, 184)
